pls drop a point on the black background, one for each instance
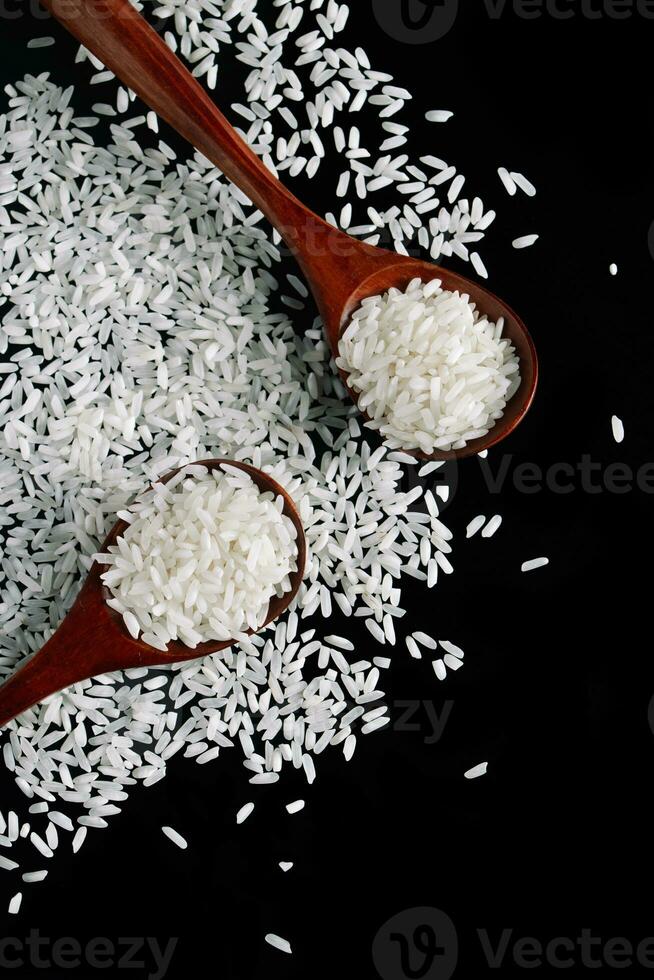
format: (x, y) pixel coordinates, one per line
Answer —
(557, 680)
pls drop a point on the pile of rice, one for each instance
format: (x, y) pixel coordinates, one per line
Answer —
(147, 321)
(432, 373)
(201, 559)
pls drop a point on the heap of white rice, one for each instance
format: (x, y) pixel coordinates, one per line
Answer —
(148, 321)
(202, 559)
(432, 373)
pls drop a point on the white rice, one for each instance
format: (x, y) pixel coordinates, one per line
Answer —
(478, 265)
(413, 648)
(507, 180)
(523, 184)
(438, 115)
(425, 640)
(617, 427)
(475, 525)
(431, 373)
(282, 944)
(165, 340)
(374, 725)
(340, 642)
(42, 847)
(244, 813)
(477, 771)
(429, 468)
(492, 526)
(175, 837)
(295, 807)
(526, 241)
(534, 563)
(613, 269)
(14, 904)
(285, 865)
(30, 877)
(376, 630)
(452, 649)
(40, 42)
(201, 559)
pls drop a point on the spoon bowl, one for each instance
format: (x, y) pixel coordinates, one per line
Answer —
(388, 270)
(340, 270)
(93, 639)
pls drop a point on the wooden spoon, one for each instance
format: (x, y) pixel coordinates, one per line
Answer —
(93, 638)
(340, 270)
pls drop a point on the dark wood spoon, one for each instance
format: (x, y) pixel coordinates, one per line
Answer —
(340, 270)
(93, 638)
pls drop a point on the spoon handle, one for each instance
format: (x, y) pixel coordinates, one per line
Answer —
(36, 680)
(80, 648)
(125, 43)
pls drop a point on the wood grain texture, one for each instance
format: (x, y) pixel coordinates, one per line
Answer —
(340, 270)
(93, 638)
